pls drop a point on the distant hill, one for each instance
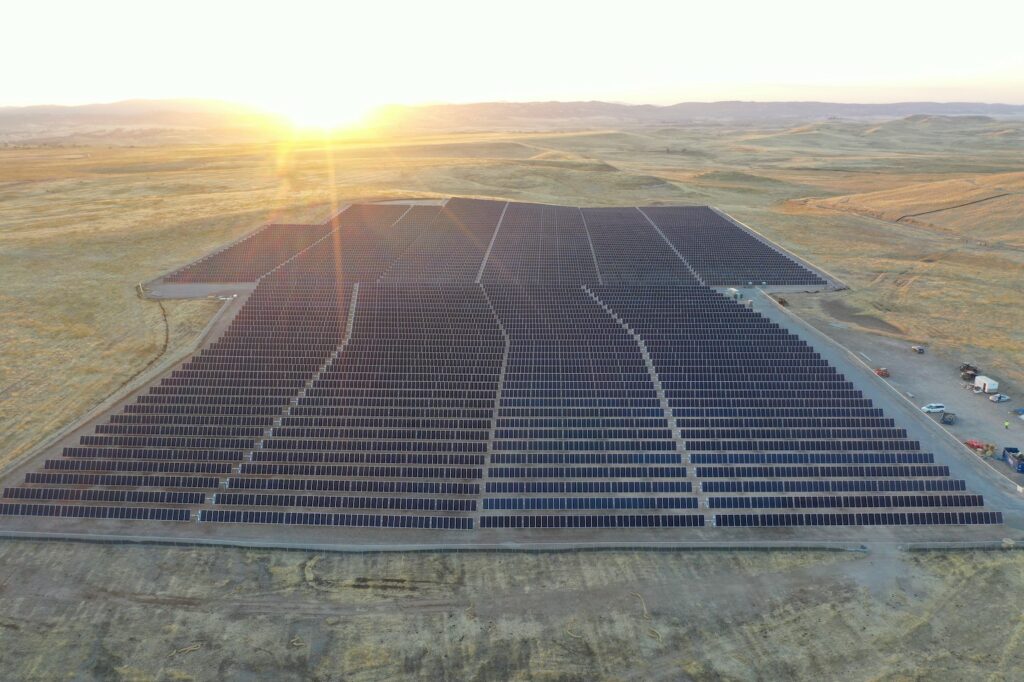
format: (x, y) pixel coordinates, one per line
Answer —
(531, 115)
(149, 122)
(136, 122)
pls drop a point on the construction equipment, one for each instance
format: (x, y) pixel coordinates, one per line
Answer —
(948, 418)
(917, 349)
(882, 372)
(982, 448)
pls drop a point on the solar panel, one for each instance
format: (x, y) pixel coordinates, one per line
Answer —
(490, 365)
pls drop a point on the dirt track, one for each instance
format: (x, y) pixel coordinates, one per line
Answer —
(87, 611)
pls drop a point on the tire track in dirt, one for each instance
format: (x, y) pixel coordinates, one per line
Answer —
(950, 208)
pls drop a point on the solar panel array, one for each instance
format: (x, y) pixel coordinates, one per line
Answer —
(576, 404)
(452, 250)
(490, 365)
(253, 256)
(540, 244)
(630, 250)
(722, 253)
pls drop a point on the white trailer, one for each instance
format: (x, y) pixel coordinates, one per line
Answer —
(986, 384)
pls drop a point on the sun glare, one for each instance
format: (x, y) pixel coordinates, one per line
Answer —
(326, 115)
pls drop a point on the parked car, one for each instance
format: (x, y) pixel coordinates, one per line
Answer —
(882, 372)
(917, 349)
(933, 407)
(948, 418)
(999, 398)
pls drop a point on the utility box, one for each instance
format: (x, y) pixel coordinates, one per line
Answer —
(986, 384)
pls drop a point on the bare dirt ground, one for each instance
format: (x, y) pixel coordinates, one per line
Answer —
(928, 378)
(156, 613)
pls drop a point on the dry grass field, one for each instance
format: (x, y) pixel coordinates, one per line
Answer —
(980, 208)
(80, 226)
(80, 611)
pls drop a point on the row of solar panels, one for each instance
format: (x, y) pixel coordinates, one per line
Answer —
(504, 521)
(510, 503)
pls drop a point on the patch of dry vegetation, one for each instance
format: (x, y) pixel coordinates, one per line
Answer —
(981, 207)
(150, 613)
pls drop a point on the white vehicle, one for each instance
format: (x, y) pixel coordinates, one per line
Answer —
(934, 407)
(999, 398)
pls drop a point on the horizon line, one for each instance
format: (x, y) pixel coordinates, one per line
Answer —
(255, 107)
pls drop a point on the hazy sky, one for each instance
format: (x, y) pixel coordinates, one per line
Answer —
(331, 61)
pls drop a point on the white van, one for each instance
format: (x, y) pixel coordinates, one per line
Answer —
(933, 407)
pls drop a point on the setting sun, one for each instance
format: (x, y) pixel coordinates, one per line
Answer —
(327, 113)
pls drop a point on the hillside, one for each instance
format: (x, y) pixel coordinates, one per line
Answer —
(560, 115)
(978, 207)
(190, 121)
(135, 122)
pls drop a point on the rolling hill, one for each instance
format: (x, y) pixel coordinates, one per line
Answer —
(136, 122)
(187, 121)
(982, 207)
(540, 115)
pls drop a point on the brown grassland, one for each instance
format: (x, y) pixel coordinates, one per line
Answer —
(87, 612)
(80, 226)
